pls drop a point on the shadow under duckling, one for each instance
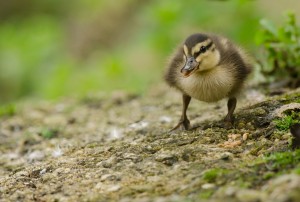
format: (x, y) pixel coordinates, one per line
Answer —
(208, 68)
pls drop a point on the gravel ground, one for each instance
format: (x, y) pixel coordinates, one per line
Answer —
(118, 148)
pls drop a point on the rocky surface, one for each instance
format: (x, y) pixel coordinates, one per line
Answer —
(118, 148)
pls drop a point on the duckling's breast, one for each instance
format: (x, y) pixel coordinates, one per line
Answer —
(209, 86)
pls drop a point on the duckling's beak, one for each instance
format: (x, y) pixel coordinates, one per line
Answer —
(190, 66)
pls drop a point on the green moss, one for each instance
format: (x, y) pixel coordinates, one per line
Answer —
(241, 182)
(268, 175)
(212, 174)
(285, 123)
(288, 98)
(265, 168)
(282, 160)
(206, 194)
(48, 133)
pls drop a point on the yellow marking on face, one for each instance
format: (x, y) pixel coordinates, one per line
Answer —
(197, 47)
(199, 58)
(185, 49)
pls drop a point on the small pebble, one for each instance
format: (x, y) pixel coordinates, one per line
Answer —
(208, 186)
(35, 156)
(42, 172)
(57, 152)
(234, 136)
(114, 188)
(245, 136)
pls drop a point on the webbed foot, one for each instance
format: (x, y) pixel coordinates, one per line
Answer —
(229, 122)
(182, 125)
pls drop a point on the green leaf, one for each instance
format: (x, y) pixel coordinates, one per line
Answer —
(267, 25)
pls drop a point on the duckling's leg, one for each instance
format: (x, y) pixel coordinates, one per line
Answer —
(184, 123)
(229, 119)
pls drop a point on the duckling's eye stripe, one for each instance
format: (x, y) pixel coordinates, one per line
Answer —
(205, 48)
(209, 45)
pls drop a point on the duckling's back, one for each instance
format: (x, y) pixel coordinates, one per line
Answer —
(235, 59)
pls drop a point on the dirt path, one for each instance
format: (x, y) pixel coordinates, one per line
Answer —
(118, 149)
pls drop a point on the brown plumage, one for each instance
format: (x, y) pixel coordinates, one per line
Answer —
(295, 131)
(208, 68)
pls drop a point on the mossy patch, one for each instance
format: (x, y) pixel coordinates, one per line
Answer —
(265, 168)
(206, 194)
(212, 174)
(281, 161)
(49, 133)
(291, 117)
(288, 98)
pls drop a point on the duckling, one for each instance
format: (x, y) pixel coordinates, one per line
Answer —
(208, 68)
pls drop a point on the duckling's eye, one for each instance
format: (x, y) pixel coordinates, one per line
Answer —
(202, 49)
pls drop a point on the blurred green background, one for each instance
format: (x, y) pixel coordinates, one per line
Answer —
(54, 48)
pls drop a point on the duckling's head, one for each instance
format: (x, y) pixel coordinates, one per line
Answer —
(200, 54)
